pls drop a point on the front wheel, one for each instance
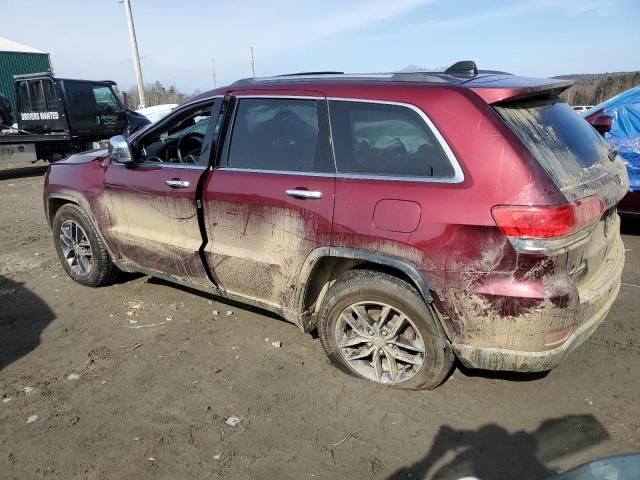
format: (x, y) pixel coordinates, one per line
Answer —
(80, 249)
(377, 327)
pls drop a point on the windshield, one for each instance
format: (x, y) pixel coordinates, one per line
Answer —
(567, 147)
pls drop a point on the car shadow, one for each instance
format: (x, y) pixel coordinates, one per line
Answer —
(23, 172)
(630, 225)
(216, 298)
(501, 375)
(492, 452)
(23, 317)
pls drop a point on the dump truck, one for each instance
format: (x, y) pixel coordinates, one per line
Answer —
(56, 117)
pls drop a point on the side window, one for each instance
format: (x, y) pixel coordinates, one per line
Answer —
(178, 140)
(280, 134)
(105, 99)
(384, 139)
(80, 99)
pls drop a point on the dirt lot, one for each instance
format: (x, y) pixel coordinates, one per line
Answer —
(116, 397)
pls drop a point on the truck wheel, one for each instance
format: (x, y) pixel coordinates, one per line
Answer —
(80, 249)
(378, 327)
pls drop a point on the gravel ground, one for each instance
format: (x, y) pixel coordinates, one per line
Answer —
(138, 380)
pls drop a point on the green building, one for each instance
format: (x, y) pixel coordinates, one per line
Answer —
(19, 59)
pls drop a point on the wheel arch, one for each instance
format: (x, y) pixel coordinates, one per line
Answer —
(58, 199)
(324, 265)
(54, 202)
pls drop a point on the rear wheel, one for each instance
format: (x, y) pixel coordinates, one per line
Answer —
(80, 249)
(377, 327)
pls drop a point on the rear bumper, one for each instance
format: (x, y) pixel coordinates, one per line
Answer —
(518, 361)
(595, 300)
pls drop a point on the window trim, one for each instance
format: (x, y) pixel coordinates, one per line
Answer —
(458, 174)
(226, 146)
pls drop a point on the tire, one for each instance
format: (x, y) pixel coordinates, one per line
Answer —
(101, 270)
(358, 289)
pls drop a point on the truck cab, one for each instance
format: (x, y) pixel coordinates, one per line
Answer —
(85, 110)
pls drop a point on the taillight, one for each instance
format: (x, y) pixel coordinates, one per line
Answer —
(548, 221)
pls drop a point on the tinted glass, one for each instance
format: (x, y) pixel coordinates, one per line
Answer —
(279, 134)
(566, 146)
(382, 139)
(80, 98)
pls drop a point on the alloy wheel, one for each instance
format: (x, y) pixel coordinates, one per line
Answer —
(380, 342)
(76, 247)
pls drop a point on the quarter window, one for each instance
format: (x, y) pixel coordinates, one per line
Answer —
(385, 139)
(279, 134)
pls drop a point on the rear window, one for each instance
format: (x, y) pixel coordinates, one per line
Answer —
(567, 147)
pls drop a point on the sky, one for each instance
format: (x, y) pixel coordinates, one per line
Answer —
(178, 39)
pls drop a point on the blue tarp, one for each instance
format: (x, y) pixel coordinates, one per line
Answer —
(624, 109)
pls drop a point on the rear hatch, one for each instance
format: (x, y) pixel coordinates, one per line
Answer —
(582, 165)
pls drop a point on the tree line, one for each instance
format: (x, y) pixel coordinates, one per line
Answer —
(593, 89)
(155, 94)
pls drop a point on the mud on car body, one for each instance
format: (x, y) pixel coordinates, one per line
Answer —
(410, 218)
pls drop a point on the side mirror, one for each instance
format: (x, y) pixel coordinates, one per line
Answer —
(119, 150)
(602, 123)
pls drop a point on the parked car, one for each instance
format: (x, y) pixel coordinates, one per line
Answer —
(156, 112)
(623, 133)
(6, 119)
(410, 218)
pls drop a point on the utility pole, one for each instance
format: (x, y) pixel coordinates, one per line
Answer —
(253, 64)
(134, 52)
(213, 67)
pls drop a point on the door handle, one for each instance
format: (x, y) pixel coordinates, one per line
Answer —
(178, 183)
(314, 194)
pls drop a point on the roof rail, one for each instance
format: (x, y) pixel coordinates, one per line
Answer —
(328, 72)
(466, 68)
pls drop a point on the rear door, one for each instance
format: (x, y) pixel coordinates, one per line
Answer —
(269, 203)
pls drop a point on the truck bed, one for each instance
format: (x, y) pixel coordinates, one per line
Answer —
(22, 138)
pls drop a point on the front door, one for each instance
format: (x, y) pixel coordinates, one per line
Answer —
(269, 202)
(150, 206)
(93, 109)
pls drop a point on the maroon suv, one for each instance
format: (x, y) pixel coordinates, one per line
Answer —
(411, 218)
